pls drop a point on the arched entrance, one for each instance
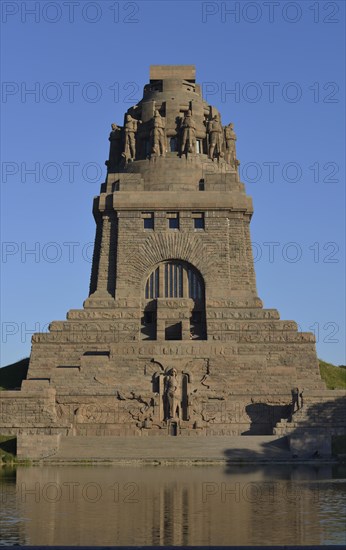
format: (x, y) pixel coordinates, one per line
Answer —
(174, 303)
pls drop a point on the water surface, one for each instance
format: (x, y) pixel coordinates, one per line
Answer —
(148, 505)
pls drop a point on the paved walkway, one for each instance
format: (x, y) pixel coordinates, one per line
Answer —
(182, 449)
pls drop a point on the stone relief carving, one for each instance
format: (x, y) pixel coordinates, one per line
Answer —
(172, 395)
(127, 143)
(142, 411)
(153, 368)
(136, 407)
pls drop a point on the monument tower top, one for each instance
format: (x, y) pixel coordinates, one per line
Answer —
(163, 72)
(173, 121)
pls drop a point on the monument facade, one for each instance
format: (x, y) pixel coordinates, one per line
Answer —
(173, 338)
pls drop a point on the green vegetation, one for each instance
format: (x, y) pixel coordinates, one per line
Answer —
(334, 377)
(11, 376)
(8, 448)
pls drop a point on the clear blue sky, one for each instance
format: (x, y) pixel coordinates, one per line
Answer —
(88, 63)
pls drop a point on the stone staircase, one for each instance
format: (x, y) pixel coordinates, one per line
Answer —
(321, 411)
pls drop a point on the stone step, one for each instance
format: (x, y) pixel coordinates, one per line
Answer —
(176, 448)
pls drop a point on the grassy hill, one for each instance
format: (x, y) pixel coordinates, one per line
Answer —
(11, 376)
(334, 377)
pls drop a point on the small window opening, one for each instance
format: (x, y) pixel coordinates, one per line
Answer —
(198, 220)
(173, 220)
(148, 220)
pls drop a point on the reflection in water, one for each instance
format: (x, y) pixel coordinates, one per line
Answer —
(11, 523)
(109, 505)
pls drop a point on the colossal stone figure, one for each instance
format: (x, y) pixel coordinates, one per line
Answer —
(115, 128)
(230, 139)
(131, 126)
(158, 135)
(115, 138)
(188, 142)
(214, 130)
(172, 395)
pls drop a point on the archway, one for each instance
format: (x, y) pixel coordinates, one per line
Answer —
(174, 303)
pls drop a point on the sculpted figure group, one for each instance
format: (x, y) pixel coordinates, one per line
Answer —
(220, 141)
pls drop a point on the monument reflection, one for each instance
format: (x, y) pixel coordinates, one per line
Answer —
(75, 505)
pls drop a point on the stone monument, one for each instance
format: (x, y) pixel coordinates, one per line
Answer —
(173, 338)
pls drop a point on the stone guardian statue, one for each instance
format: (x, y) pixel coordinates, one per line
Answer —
(188, 129)
(172, 395)
(230, 139)
(131, 127)
(115, 138)
(158, 135)
(215, 132)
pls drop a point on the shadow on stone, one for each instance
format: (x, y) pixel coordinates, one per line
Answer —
(270, 451)
(264, 417)
(9, 445)
(307, 435)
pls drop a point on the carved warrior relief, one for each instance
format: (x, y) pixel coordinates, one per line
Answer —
(158, 137)
(116, 145)
(169, 400)
(230, 152)
(128, 143)
(179, 392)
(131, 127)
(215, 133)
(172, 394)
(188, 134)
